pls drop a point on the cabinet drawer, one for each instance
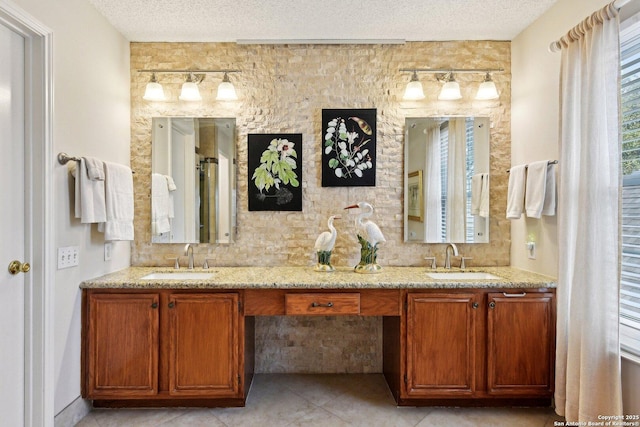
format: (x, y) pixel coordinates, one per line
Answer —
(323, 304)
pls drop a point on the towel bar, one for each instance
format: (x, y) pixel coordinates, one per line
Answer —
(64, 158)
(551, 162)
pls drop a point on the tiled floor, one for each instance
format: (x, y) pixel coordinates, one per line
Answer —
(321, 400)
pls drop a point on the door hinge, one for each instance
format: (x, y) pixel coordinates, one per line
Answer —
(239, 379)
(239, 305)
(406, 379)
(406, 305)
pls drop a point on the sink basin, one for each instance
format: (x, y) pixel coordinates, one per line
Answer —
(184, 275)
(463, 275)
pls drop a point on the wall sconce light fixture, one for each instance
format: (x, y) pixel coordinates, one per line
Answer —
(451, 88)
(153, 91)
(226, 91)
(190, 90)
(487, 89)
(414, 90)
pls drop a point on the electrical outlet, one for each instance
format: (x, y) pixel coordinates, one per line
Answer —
(68, 257)
(107, 251)
(531, 250)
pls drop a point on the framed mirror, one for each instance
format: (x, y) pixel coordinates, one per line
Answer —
(446, 180)
(193, 180)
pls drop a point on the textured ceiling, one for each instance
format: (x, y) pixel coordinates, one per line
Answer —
(411, 20)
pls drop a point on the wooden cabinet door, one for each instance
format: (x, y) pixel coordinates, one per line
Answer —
(204, 345)
(441, 344)
(520, 343)
(122, 359)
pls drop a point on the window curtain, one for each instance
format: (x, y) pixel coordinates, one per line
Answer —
(456, 182)
(588, 354)
(433, 187)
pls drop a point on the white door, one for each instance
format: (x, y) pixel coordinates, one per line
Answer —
(12, 226)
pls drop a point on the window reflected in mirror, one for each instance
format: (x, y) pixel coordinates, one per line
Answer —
(447, 180)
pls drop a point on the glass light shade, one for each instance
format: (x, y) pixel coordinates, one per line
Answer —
(414, 91)
(487, 90)
(450, 91)
(190, 92)
(153, 92)
(226, 91)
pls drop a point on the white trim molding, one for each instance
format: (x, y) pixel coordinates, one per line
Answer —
(39, 284)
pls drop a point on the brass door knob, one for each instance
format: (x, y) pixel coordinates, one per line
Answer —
(16, 267)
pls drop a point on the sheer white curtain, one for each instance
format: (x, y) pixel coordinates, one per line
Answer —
(456, 181)
(588, 356)
(433, 187)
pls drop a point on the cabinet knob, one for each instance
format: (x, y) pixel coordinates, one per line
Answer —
(492, 305)
(172, 304)
(154, 305)
(475, 305)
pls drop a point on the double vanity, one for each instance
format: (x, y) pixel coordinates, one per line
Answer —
(164, 337)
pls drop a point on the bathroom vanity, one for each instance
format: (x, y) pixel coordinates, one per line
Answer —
(153, 339)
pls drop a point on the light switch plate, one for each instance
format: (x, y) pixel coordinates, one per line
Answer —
(68, 256)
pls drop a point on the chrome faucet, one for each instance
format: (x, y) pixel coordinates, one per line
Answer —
(188, 250)
(447, 253)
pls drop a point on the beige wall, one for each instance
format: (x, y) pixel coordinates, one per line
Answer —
(284, 89)
(535, 129)
(535, 119)
(90, 118)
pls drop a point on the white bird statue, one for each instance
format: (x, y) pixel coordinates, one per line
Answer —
(327, 239)
(324, 245)
(367, 228)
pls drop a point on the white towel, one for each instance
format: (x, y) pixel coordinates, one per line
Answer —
(536, 188)
(476, 193)
(159, 204)
(89, 195)
(549, 208)
(515, 191)
(171, 185)
(95, 168)
(480, 195)
(119, 202)
(483, 210)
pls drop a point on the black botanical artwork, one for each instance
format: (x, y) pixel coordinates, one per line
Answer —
(348, 147)
(275, 174)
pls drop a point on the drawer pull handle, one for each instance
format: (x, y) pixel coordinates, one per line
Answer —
(492, 305)
(524, 294)
(317, 304)
(475, 305)
(172, 304)
(154, 305)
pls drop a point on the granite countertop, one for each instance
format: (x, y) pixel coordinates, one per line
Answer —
(307, 278)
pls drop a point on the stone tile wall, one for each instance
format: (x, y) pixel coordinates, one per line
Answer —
(283, 89)
(319, 344)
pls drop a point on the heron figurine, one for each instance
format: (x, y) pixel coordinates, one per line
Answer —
(324, 245)
(369, 235)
